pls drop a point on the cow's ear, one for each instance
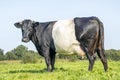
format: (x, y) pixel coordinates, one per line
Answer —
(35, 24)
(18, 24)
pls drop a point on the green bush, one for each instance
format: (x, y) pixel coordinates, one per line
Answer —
(21, 52)
(113, 54)
(10, 56)
(29, 58)
(2, 57)
(71, 58)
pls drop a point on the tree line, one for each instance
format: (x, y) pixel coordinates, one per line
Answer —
(21, 52)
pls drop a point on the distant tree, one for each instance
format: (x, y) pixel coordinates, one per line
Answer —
(22, 53)
(36, 54)
(19, 51)
(113, 54)
(10, 56)
(29, 57)
(1, 51)
(71, 58)
(2, 57)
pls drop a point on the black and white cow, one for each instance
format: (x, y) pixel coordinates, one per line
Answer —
(81, 36)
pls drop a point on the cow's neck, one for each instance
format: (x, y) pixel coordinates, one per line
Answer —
(34, 39)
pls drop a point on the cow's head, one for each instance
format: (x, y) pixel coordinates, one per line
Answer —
(27, 27)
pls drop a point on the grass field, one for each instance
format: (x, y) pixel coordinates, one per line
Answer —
(65, 70)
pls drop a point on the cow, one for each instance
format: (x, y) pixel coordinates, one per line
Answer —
(82, 36)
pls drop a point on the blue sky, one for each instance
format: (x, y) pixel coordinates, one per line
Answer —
(12, 11)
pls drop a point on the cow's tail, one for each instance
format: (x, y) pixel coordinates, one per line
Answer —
(101, 34)
(100, 47)
(100, 39)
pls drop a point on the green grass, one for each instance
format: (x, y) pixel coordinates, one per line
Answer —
(65, 70)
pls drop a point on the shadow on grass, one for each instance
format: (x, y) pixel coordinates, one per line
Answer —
(36, 71)
(27, 71)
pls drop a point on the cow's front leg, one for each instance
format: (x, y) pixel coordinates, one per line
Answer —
(47, 58)
(52, 53)
(48, 64)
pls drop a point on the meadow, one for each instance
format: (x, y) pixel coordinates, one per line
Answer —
(65, 70)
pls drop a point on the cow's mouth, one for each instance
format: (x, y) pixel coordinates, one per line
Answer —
(25, 40)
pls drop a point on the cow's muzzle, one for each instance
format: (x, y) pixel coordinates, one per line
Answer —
(25, 40)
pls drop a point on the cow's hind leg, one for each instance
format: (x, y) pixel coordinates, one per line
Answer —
(91, 62)
(91, 58)
(102, 56)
